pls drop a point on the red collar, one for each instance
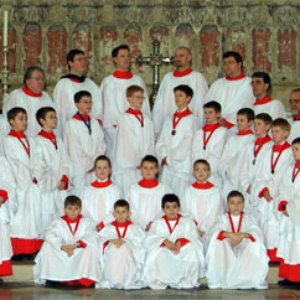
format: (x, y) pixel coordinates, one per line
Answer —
(87, 118)
(280, 148)
(182, 114)
(99, 184)
(47, 135)
(30, 93)
(211, 127)
(175, 219)
(74, 77)
(118, 224)
(68, 220)
(122, 74)
(17, 134)
(202, 186)
(263, 100)
(134, 111)
(177, 73)
(296, 117)
(238, 77)
(262, 140)
(245, 132)
(148, 183)
(297, 165)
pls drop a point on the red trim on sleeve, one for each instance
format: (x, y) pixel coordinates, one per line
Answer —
(196, 223)
(65, 179)
(34, 180)
(82, 244)
(100, 122)
(105, 244)
(289, 272)
(101, 225)
(221, 236)
(251, 238)
(163, 244)
(4, 195)
(183, 241)
(164, 162)
(282, 204)
(261, 193)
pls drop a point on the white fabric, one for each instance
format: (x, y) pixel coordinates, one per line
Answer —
(295, 130)
(274, 108)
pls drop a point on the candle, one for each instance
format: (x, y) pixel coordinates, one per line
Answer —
(5, 29)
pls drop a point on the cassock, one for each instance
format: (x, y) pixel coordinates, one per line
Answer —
(165, 106)
(63, 96)
(31, 102)
(289, 227)
(270, 106)
(51, 166)
(134, 140)
(145, 201)
(175, 144)
(26, 223)
(122, 267)
(208, 144)
(244, 266)
(114, 102)
(98, 201)
(295, 128)
(233, 94)
(84, 140)
(83, 267)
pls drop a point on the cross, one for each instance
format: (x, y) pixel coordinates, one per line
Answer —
(155, 60)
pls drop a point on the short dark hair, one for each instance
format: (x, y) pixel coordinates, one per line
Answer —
(42, 112)
(71, 55)
(72, 200)
(235, 194)
(216, 106)
(169, 198)
(150, 158)
(185, 89)
(133, 89)
(115, 51)
(248, 112)
(102, 157)
(266, 118)
(30, 70)
(81, 94)
(202, 161)
(282, 123)
(265, 76)
(296, 141)
(12, 113)
(238, 58)
(122, 203)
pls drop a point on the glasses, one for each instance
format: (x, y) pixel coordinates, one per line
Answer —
(139, 97)
(38, 78)
(294, 100)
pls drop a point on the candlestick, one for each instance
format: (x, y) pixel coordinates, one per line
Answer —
(5, 29)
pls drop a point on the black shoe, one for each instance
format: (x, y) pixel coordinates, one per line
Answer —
(286, 282)
(1, 281)
(52, 284)
(19, 257)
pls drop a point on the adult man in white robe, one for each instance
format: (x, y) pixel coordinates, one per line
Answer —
(294, 102)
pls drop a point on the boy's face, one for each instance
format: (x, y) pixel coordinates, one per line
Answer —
(260, 128)
(72, 211)
(279, 135)
(235, 205)
(85, 105)
(211, 116)
(79, 64)
(122, 61)
(149, 170)
(50, 121)
(102, 169)
(243, 123)
(181, 100)
(19, 123)
(171, 210)
(259, 87)
(121, 214)
(201, 172)
(136, 100)
(296, 151)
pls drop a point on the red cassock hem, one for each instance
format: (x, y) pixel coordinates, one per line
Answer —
(272, 253)
(83, 282)
(6, 268)
(289, 272)
(26, 246)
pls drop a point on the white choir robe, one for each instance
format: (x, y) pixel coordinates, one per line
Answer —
(295, 130)
(83, 148)
(274, 108)
(122, 267)
(289, 227)
(232, 160)
(244, 266)
(232, 95)
(178, 151)
(114, 103)
(204, 204)
(26, 224)
(98, 201)
(50, 167)
(162, 267)
(132, 143)
(63, 96)
(265, 179)
(145, 202)
(54, 264)
(4, 128)
(212, 153)
(18, 98)
(164, 104)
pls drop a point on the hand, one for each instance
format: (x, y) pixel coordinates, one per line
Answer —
(285, 213)
(171, 246)
(1, 201)
(148, 226)
(69, 249)
(248, 191)
(235, 239)
(177, 247)
(201, 233)
(99, 228)
(117, 242)
(62, 186)
(267, 196)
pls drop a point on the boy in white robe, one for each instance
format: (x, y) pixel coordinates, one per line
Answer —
(202, 200)
(123, 251)
(294, 103)
(98, 199)
(174, 254)
(134, 139)
(52, 167)
(236, 256)
(288, 206)
(84, 140)
(71, 252)
(174, 146)
(264, 103)
(145, 196)
(265, 186)
(210, 140)
(233, 153)
(25, 224)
